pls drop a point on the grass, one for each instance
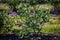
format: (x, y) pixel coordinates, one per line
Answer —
(51, 29)
(44, 6)
(4, 6)
(53, 26)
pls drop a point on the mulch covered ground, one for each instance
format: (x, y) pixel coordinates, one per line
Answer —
(32, 37)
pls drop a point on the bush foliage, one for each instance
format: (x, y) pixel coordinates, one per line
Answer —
(31, 17)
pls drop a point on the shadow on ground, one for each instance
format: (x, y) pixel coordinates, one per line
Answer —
(33, 37)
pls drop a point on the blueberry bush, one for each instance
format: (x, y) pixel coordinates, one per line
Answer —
(28, 17)
(33, 19)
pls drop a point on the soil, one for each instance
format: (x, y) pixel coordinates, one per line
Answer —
(35, 36)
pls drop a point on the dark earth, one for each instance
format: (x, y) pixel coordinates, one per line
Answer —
(35, 36)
